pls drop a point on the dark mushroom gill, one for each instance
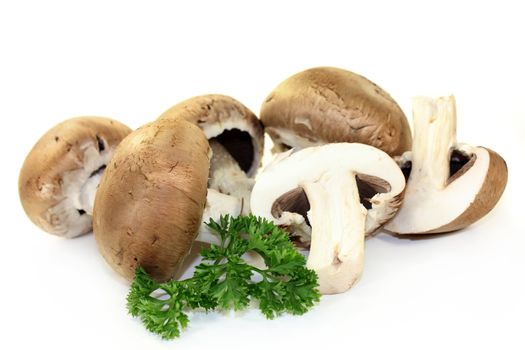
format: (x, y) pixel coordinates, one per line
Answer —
(296, 201)
(459, 163)
(239, 144)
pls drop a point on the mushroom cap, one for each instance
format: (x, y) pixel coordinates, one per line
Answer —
(57, 167)
(219, 116)
(326, 105)
(150, 200)
(469, 194)
(380, 181)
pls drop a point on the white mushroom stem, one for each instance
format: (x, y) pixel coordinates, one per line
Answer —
(86, 196)
(338, 230)
(217, 204)
(80, 185)
(227, 177)
(229, 191)
(434, 137)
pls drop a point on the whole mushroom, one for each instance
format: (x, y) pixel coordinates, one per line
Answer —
(333, 195)
(151, 199)
(325, 105)
(154, 196)
(450, 185)
(60, 175)
(236, 137)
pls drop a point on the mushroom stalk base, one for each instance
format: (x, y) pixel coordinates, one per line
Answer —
(217, 204)
(227, 177)
(338, 231)
(86, 197)
(434, 137)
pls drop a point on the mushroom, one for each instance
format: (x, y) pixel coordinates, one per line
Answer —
(153, 197)
(236, 137)
(450, 185)
(342, 191)
(326, 105)
(60, 175)
(150, 201)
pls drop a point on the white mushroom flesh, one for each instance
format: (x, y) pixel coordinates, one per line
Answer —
(338, 230)
(430, 199)
(228, 178)
(217, 204)
(327, 174)
(73, 213)
(282, 136)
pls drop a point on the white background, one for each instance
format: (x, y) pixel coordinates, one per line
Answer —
(132, 60)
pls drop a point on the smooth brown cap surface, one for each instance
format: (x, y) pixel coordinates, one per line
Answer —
(216, 113)
(151, 198)
(326, 105)
(58, 151)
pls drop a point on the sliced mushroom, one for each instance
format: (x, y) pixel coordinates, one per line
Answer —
(450, 185)
(236, 137)
(151, 199)
(60, 175)
(325, 105)
(342, 191)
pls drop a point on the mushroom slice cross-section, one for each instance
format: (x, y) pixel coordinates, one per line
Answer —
(341, 191)
(60, 175)
(236, 137)
(326, 104)
(450, 185)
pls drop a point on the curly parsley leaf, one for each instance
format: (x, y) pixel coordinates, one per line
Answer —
(224, 280)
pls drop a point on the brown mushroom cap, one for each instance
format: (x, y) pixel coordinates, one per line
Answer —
(151, 198)
(229, 122)
(327, 105)
(70, 152)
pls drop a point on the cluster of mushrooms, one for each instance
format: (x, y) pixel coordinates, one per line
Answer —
(345, 164)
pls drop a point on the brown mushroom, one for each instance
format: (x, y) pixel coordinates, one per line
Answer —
(236, 137)
(59, 177)
(450, 185)
(325, 105)
(151, 199)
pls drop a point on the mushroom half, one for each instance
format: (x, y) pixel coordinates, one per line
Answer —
(60, 175)
(151, 199)
(334, 194)
(325, 105)
(236, 137)
(450, 185)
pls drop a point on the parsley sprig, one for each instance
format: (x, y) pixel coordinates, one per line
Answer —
(224, 280)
